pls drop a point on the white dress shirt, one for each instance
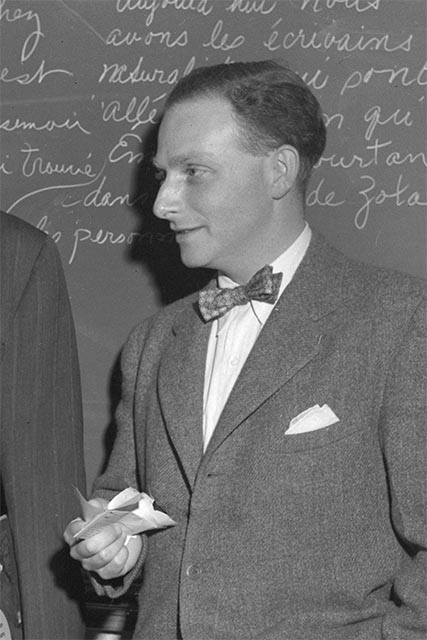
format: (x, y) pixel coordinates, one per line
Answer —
(233, 336)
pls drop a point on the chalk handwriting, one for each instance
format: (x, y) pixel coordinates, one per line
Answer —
(4, 169)
(18, 14)
(337, 119)
(220, 40)
(101, 237)
(368, 143)
(400, 196)
(348, 42)
(316, 81)
(141, 5)
(317, 197)
(31, 42)
(358, 5)
(99, 198)
(38, 76)
(54, 187)
(356, 78)
(119, 73)
(374, 118)
(36, 164)
(116, 38)
(134, 112)
(264, 7)
(200, 6)
(104, 236)
(375, 157)
(166, 38)
(121, 150)
(49, 125)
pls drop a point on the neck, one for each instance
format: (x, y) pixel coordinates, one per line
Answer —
(284, 237)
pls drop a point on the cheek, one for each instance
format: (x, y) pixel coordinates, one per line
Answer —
(212, 202)
(251, 187)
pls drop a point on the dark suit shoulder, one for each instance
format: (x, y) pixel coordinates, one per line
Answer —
(21, 245)
(24, 252)
(15, 230)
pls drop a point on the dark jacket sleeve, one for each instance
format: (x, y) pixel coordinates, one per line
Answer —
(42, 437)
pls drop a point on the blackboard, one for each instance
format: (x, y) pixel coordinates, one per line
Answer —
(82, 86)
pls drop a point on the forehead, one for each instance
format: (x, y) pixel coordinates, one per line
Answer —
(204, 124)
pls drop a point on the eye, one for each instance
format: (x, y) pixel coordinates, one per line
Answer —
(194, 172)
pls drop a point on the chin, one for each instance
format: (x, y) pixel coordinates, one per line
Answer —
(193, 262)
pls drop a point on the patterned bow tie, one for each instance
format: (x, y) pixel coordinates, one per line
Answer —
(263, 286)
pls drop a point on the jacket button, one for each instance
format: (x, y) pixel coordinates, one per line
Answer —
(193, 571)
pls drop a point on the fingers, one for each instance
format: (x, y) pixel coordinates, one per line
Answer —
(107, 555)
(105, 552)
(99, 502)
(73, 527)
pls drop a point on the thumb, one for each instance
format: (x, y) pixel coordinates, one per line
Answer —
(99, 502)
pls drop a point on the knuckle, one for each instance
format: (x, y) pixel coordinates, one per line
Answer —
(91, 545)
(74, 553)
(104, 556)
(87, 565)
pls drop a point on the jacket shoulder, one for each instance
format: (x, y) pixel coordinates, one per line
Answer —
(150, 335)
(382, 287)
(21, 247)
(14, 230)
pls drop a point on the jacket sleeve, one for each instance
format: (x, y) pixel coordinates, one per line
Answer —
(403, 429)
(42, 440)
(121, 471)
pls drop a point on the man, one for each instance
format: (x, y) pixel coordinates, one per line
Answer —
(41, 439)
(286, 438)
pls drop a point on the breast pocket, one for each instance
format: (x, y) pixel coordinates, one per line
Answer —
(323, 436)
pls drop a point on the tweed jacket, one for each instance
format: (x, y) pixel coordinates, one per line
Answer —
(41, 448)
(312, 536)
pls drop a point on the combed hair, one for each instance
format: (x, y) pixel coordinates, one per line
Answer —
(272, 105)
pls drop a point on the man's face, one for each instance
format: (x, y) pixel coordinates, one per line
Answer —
(215, 195)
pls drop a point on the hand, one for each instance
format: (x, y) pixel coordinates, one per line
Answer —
(110, 553)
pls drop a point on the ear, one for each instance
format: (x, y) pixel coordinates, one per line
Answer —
(285, 170)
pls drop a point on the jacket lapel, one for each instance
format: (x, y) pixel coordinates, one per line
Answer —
(181, 380)
(288, 341)
(290, 338)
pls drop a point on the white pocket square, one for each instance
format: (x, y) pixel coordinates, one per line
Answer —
(312, 419)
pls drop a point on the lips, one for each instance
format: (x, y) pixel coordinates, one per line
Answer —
(185, 232)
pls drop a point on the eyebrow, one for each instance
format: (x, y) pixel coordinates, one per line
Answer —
(184, 158)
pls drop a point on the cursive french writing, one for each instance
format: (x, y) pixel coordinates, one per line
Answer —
(37, 76)
(48, 125)
(347, 42)
(120, 73)
(34, 163)
(400, 195)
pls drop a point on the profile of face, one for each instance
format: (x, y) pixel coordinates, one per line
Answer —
(216, 196)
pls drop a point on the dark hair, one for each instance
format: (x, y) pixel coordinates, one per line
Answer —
(272, 105)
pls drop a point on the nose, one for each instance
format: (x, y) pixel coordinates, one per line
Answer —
(166, 203)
